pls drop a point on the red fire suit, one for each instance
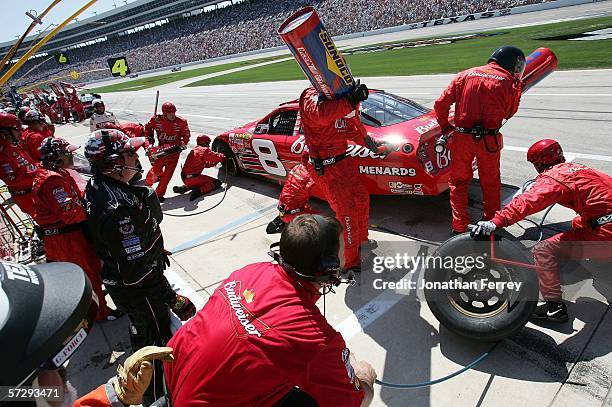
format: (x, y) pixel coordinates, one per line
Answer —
(62, 107)
(60, 215)
(17, 172)
(31, 141)
(259, 335)
(46, 110)
(103, 396)
(293, 200)
(169, 133)
(586, 191)
(483, 96)
(76, 105)
(199, 158)
(326, 131)
(132, 129)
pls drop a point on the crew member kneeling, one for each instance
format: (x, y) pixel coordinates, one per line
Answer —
(575, 186)
(199, 158)
(260, 335)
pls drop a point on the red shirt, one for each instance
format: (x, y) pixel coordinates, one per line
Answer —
(16, 167)
(199, 158)
(57, 198)
(575, 186)
(259, 335)
(31, 140)
(169, 133)
(132, 129)
(327, 128)
(485, 95)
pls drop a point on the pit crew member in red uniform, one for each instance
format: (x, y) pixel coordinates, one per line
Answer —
(328, 125)
(261, 334)
(76, 105)
(124, 223)
(585, 190)
(62, 107)
(483, 96)
(16, 167)
(293, 199)
(171, 131)
(199, 158)
(37, 131)
(61, 216)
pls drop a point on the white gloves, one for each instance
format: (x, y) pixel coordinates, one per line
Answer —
(484, 227)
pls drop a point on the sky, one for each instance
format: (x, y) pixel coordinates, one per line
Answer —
(14, 21)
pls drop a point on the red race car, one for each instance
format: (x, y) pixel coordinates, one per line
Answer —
(270, 147)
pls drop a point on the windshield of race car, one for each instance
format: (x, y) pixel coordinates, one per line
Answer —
(387, 109)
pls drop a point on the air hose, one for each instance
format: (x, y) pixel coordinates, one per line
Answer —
(207, 209)
(447, 377)
(441, 379)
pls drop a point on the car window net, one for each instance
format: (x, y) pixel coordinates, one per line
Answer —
(284, 123)
(389, 109)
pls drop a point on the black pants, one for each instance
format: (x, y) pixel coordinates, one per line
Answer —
(149, 325)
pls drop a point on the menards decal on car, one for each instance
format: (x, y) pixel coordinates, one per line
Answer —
(400, 172)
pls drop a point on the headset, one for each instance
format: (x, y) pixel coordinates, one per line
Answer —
(116, 160)
(328, 270)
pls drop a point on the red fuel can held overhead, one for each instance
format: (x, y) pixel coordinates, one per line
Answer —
(315, 51)
(539, 64)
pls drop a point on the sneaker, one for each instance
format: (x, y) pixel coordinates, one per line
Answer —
(179, 189)
(195, 194)
(552, 311)
(115, 315)
(276, 226)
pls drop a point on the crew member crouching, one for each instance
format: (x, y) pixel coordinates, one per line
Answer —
(199, 158)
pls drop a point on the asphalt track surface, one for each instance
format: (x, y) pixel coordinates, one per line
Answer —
(543, 366)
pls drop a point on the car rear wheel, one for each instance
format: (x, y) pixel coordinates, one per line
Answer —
(483, 314)
(231, 162)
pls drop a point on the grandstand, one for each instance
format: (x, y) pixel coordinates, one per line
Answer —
(116, 22)
(159, 33)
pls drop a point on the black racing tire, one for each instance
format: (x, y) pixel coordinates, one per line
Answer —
(482, 314)
(231, 162)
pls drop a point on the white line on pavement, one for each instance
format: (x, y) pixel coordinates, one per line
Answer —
(569, 94)
(185, 114)
(374, 309)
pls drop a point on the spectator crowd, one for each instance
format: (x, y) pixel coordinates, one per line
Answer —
(246, 26)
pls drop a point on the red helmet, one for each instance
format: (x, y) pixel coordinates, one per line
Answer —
(168, 107)
(52, 148)
(203, 140)
(546, 151)
(8, 120)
